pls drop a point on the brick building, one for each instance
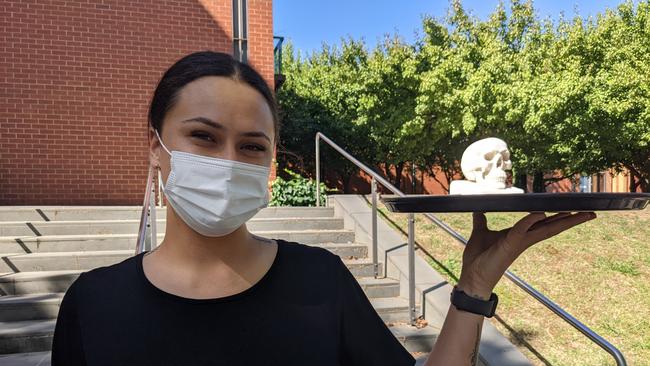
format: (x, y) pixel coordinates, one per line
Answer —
(77, 78)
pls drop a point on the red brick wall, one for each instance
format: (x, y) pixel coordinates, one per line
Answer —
(260, 43)
(77, 78)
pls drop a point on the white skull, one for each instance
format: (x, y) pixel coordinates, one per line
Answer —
(485, 162)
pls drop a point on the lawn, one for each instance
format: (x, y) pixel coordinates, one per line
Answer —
(598, 271)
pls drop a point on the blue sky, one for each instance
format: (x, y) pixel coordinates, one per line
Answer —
(307, 23)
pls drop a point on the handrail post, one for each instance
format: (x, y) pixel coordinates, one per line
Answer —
(411, 259)
(152, 214)
(375, 264)
(317, 171)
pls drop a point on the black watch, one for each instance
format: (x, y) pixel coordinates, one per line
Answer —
(463, 301)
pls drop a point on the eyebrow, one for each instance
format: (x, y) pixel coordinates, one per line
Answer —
(218, 125)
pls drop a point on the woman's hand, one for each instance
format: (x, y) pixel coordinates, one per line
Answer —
(489, 253)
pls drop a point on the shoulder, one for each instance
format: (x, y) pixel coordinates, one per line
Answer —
(123, 270)
(100, 282)
(309, 256)
(304, 251)
(308, 267)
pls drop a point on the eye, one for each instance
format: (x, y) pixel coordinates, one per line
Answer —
(202, 135)
(256, 147)
(489, 155)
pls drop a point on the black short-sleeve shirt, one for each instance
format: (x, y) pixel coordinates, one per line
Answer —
(308, 309)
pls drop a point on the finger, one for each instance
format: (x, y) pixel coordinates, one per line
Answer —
(479, 221)
(517, 232)
(548, 230)
(549, 219)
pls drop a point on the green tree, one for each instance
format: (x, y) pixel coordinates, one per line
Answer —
(620, 100)
(322, 93)
(572, 97)
(390, 87)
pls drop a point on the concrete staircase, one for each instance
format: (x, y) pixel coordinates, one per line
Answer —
(44, 249)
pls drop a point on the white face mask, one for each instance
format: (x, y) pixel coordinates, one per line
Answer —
(214, 196)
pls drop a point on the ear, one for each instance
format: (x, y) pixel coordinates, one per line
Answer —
(154, 149)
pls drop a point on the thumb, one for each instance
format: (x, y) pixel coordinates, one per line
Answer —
(479, 222)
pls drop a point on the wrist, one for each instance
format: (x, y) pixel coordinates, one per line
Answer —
(474, 291)
(474, 304)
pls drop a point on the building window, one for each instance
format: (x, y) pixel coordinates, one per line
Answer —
(240, 30)
(585, 183)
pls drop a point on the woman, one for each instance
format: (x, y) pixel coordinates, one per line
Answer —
(212, 293)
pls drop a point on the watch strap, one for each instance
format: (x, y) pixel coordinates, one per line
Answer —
(463, 301)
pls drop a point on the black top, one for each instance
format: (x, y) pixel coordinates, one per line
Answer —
(308, 309)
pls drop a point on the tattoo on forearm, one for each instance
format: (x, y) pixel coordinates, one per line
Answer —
(473, 357)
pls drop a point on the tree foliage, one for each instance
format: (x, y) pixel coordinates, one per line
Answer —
(571, 96)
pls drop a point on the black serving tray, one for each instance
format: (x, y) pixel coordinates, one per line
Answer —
(518, 202)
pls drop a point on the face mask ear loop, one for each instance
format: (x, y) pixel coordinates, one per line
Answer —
(162, 185)
(161, 143)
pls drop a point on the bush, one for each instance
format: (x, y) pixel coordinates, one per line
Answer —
(298, 191)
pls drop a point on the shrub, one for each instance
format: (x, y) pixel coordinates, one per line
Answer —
(298, 191)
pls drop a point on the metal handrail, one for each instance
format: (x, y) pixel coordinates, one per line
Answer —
(144, 221)
(160, 184)
(593, 336)
(148, 216)
(411, 217)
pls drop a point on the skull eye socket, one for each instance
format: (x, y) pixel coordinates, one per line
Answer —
(489, 155)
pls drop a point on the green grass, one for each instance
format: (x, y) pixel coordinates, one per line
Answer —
(618, 266)
(598, 271)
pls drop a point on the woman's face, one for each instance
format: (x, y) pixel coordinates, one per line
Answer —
(217, 117)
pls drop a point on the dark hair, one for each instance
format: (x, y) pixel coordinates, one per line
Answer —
(205, 63)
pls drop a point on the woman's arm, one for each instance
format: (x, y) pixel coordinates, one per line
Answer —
(486, 257)
(458, 340)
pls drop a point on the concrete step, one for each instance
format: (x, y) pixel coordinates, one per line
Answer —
(36, 342)
(391, 309)
(26, 336)
(295, 223)
(54, 272)
(311, 236)
(57, 243)
(95, 227)
(278, 212)
(69, 243)
(43, 358)
(60, 261)
(58, 213)
(363, 267)
(30, 306)
(345, 250)
(414, 339)
(379, 287)
(101, 242)
(23, 283)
